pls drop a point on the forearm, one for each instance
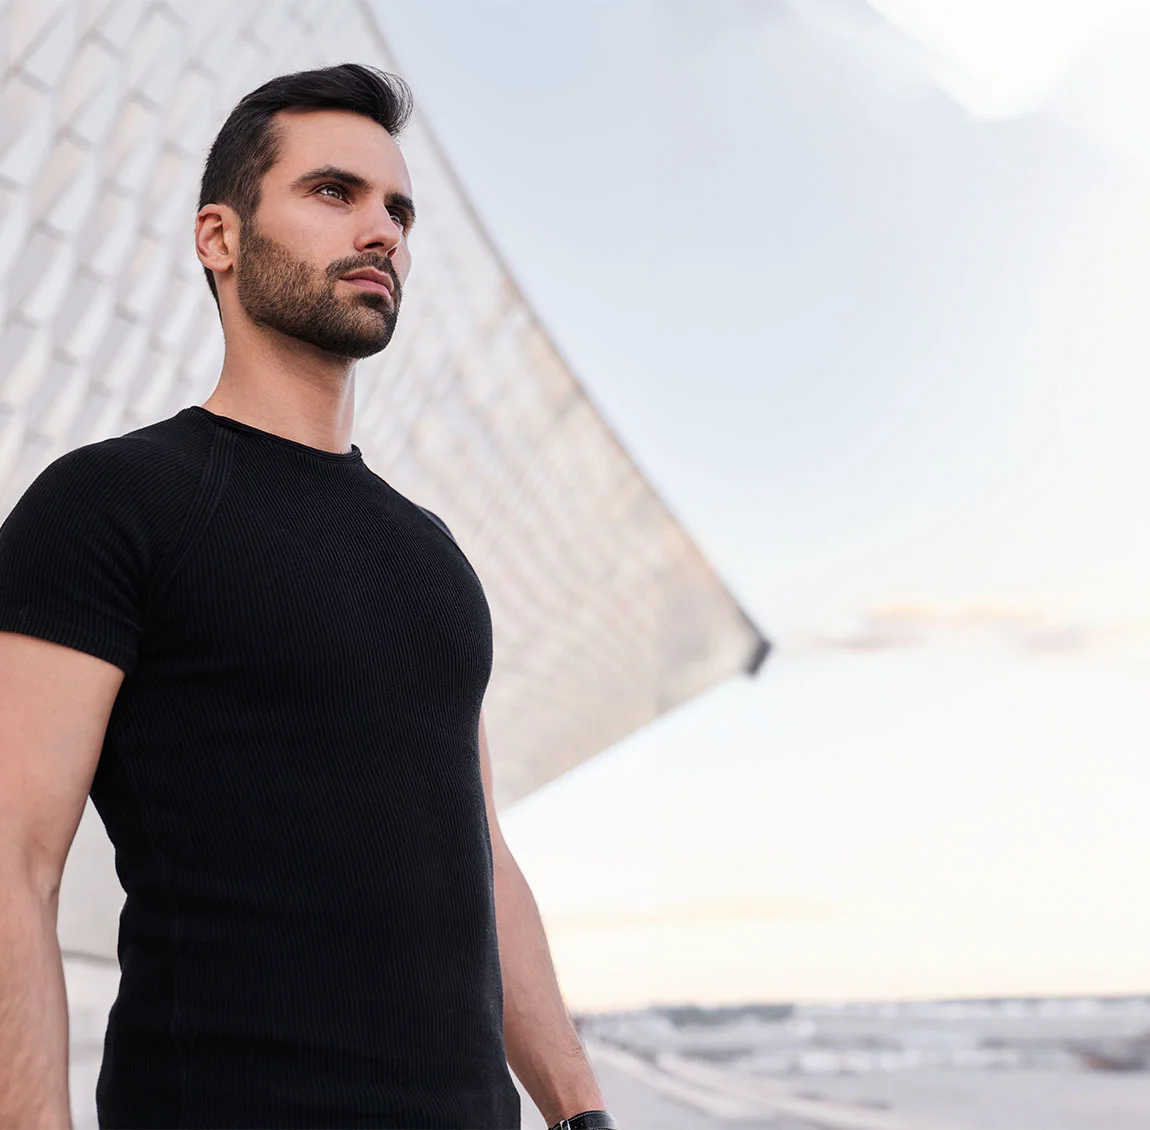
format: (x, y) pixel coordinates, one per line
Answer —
(543, 1047)
(33, 1011)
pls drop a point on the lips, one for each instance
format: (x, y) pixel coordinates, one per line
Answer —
(370, 279)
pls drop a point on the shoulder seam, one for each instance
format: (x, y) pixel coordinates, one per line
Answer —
(213, 481)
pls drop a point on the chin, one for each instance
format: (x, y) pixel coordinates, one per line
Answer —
(364, 347)
(353, 339)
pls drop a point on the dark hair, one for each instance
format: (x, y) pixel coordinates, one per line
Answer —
(247, 145)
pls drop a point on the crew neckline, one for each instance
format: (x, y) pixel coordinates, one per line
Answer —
(352, 456)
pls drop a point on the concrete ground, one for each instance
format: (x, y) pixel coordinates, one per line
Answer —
(909, 1100)
(1008, 1100)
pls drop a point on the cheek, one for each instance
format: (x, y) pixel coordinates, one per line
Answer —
(310, 236)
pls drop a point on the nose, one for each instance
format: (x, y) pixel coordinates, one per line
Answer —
(381, 233)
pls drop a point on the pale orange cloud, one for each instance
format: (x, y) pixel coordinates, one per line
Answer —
(915, 623)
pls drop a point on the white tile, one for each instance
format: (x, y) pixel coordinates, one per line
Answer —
(15, 219)
(25, 21)
(271, 24)
(141, 287)
(180, 305)
(67, 188)
(119, 355)
(152, 388)
(102, 418)
(191, 121)
(58, 401)
(93, 76)
(25, 130)
(95, 118)
(114, 231)
(11, 444)
(25, 352)
(89, 13)
(44, 299)
(202, 362)
(213, 23)
(133, 148)
(80, 326)
(47, 58)
(38, 251)
(169, 202)
(156, 54)
(118, 21)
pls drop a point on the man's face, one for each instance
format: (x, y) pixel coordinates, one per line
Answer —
(337, 202)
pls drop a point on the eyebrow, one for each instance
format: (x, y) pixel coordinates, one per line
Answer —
(360, 184)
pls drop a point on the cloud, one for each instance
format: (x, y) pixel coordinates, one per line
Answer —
(906, 625)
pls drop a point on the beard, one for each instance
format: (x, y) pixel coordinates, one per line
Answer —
(286, 294)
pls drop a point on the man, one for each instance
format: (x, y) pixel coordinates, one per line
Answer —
(267, 667)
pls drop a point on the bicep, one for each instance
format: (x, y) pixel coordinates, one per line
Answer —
(54, 708)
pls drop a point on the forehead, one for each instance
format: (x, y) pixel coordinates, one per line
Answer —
(310, 139)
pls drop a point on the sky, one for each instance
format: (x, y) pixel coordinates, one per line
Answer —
(861, 287)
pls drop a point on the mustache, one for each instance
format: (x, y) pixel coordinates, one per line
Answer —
(379, 263)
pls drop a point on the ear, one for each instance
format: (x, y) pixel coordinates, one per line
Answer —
(217, 237)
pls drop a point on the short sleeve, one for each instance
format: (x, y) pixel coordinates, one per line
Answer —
(73, 556)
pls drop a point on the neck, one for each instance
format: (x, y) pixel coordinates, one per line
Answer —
(286, 387)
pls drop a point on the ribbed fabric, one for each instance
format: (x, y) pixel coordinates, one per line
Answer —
(290, 777)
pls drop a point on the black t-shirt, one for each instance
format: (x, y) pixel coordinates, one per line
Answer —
(290, 777)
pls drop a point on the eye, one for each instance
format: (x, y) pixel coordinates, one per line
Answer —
(400, 217)
(338, 188)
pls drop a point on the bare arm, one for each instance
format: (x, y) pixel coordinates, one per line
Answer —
(543, 1047)
(54, 708)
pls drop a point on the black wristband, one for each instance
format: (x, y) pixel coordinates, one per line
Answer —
(588, 1120)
